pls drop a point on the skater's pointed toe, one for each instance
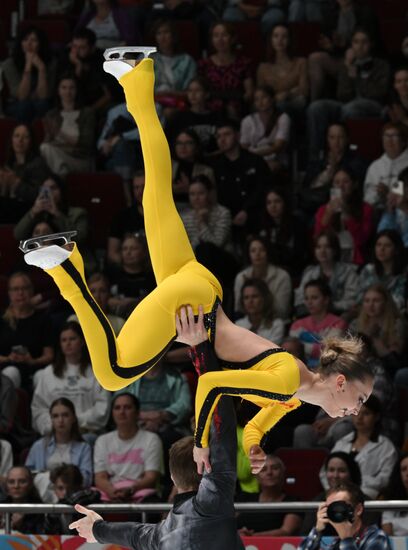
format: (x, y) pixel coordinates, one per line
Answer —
(47, 257)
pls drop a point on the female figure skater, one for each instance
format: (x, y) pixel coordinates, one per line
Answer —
(267, 375)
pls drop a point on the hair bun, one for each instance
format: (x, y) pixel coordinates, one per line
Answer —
(328, 356)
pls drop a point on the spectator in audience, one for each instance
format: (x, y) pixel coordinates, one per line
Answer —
(307, 10)
(228, 73)
(283, 72)
(128, 461)
(283, 230)
(348, 216)
(395, 522)
(276, 278)
(110, 23)
(64, 445)
(380, 320)
(187, 165)
(374, 453)
(22, 174)
(85, 61)
(99, 287)
(6, 462)
(197, 116)
(266, 132)
(320, 323)
(362, 86)
(383, 172)
(133, 279)
(30, 75)
(25, 334)
(338, 155)
(397, 109)
(335, 38)
(69, 132)
(129, 220)
(339, 467)
(20, 489)
(388, 267)
(173, 68)
(395, 216)
(342, 277)
(354, 533)
(70, 376)
(269, 13)
(240, 177)
(257, 303)
(55, 7)
(271, 481)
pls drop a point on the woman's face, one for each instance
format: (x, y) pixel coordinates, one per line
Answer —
(275, 205)
(185, 147)
(100, 291)
(196, 94)
(373, 304)
(257, 253)
(133, 252)
(272, 474)
(252, 300)
(346, 397)
(221, 39)
(401, 83)
(62, 419)
(323, 251)
(315, 301)
(384, 249)
(124, 411)
(361, 45)
(21, 140)
(18, 484)
(54, 189)
(198, 196)
(280, 39)
(263, 102)
(67, 90)
(404, 472)
(336, 139)
(343, 181)
(30, 44)
(365, 421)
(20, 291)
(164, 38)
(41, 229)
(71, 343)
(60, 488)
(337, 472)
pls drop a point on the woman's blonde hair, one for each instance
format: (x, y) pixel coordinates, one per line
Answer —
(9, 315)
(344, 356)
(388, 317)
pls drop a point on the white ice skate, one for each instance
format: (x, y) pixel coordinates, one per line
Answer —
(121, 60)
(47, 251)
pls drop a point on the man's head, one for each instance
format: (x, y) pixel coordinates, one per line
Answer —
(351, 494)
(83, 43)
(183, 469)
(227, 136)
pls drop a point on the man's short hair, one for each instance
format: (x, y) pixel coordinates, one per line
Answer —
(183, 469)
(228, 123)
(86, 34)
(356, 494)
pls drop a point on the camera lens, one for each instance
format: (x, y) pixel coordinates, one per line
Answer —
(340, 511)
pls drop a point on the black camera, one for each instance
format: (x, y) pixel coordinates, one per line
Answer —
(340, 511)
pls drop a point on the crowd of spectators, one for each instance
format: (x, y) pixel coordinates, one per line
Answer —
(306, 231)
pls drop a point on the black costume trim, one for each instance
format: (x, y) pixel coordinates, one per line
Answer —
(236, 365)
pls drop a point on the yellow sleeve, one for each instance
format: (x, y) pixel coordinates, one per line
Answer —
(262, 422)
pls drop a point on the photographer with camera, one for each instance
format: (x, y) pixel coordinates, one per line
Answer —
(343, 511)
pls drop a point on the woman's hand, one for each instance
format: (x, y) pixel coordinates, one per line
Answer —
(257, 458)
(201, 457)
(189, 331)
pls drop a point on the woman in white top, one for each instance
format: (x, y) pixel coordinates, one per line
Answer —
(375, 454)
(395, 522)
(69, 140)
(70, 376)
(257, 304)
(266, 132)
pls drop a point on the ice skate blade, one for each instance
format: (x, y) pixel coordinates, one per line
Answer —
(127, 53)
(59, 239)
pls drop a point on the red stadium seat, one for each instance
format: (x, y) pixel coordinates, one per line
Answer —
(188, 35)
(305, 37)
(3, 292)
(389, 9)
(249, 40)
(7, 125)
(302, 471)
(57, 29)
(101, 194)
(9, 252)
(392, 33)
(365, 135)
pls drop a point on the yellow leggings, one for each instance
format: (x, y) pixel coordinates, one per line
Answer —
(181, 280)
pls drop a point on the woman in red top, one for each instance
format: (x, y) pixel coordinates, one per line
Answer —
(348, 215)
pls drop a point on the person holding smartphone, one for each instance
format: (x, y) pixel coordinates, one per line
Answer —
(395, 215)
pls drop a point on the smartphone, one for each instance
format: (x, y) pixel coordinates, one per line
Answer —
(44, 193)
(398, 188)
(335, 193)
(20, 350)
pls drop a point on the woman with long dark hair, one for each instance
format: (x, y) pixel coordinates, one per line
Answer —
(30, 75)
(395, 522)
(348, 215)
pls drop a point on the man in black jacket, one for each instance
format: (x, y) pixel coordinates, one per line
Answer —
(203, 514)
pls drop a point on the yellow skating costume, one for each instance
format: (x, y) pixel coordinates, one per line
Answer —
(181, 280)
